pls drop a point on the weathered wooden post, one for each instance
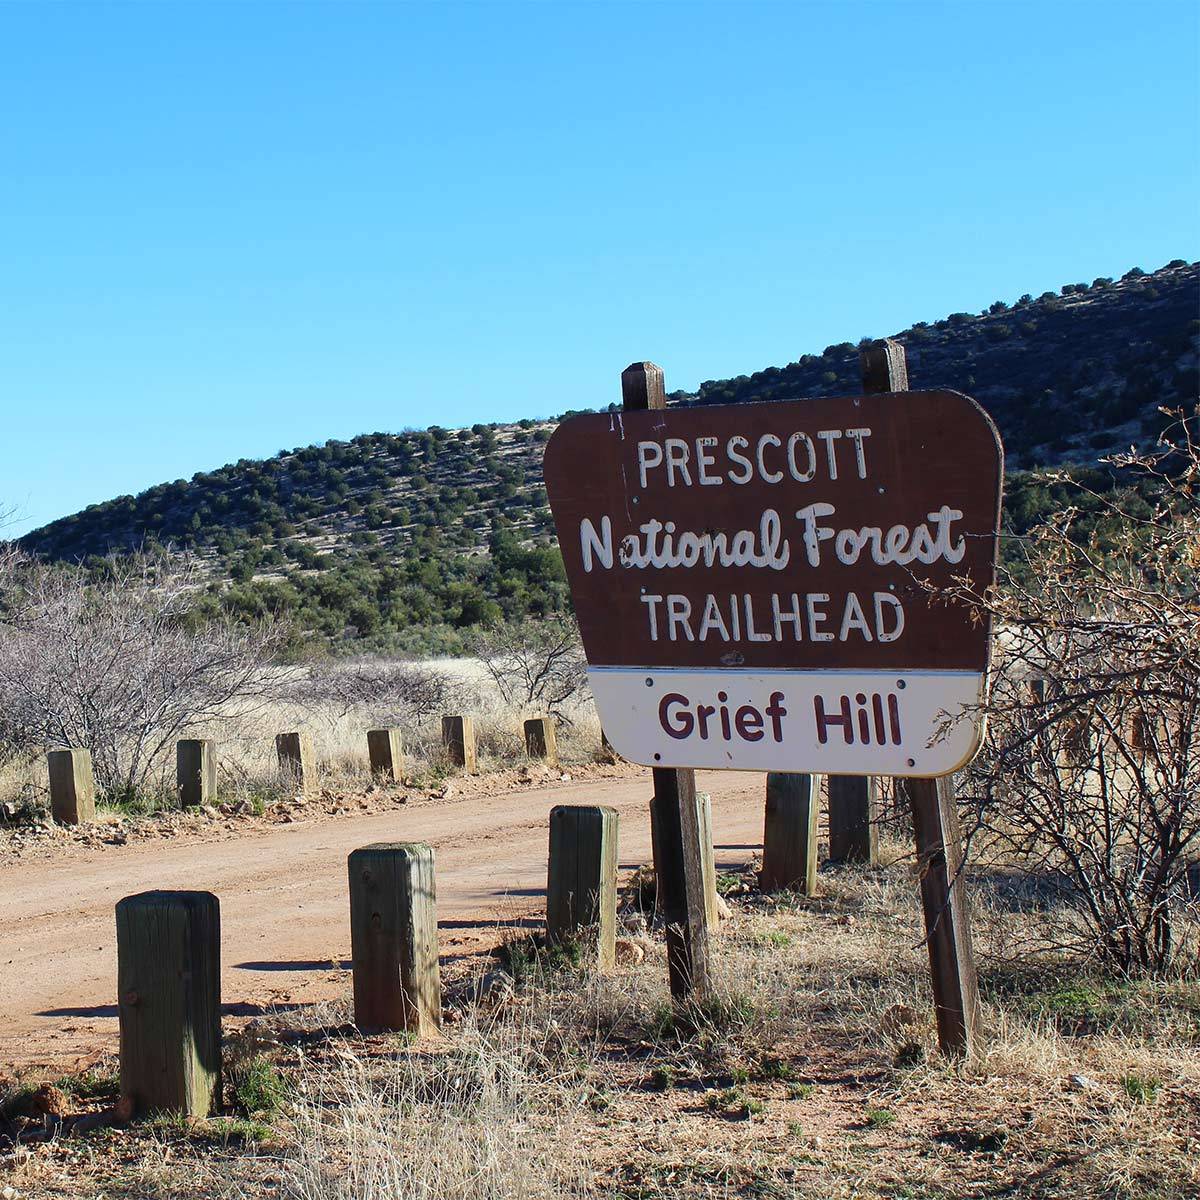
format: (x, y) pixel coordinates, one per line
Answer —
(169, 1001)
(707, 858)
(678, 858)
(853, 819)
(196, 771)
(458, 736)
(393, 937)
(581, 880)
(295, 753)
(790, 833)
(540, 739)
(935, 823)
(72, 786)
(853, 799)
(385, 747)
(947, 914)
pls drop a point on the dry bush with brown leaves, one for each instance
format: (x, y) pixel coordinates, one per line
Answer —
(1090, 775)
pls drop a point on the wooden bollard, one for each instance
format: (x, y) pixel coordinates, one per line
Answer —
(790, 833)
(169, 1001)
(540, 740)
(853, 819)
(196, 771)
(707, 856)
(581, 881)
(708, 864)
(393, 937)
(72, 786)
(458, 736)
(295, 753)
(385, 747)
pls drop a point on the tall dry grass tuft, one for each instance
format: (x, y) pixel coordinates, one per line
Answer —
(493, 1117)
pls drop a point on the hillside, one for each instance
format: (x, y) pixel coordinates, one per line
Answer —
(404, 540)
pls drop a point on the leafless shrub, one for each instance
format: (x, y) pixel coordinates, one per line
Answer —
(536, 665)
(1091, 770)
(401, 691)
(120, 665)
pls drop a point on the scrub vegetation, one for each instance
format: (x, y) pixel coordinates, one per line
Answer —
(413, 541)
(816, 1076)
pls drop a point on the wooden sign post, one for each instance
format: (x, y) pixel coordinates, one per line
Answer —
(935, 824)
(764, 587)
(679, 858)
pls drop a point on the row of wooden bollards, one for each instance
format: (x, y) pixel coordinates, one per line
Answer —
(168, 943)
(169, 955)
(73, 788)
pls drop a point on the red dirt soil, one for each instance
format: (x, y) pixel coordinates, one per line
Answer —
(284, 909)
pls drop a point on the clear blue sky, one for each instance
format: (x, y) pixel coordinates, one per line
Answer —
(227, 230)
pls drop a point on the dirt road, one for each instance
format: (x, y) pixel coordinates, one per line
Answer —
(284, 912)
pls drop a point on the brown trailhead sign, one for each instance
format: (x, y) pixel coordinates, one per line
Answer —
(756, 584)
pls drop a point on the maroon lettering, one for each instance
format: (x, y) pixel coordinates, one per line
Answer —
(679, 725)
(824, 720)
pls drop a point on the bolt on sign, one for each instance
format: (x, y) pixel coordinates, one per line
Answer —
(757, 585)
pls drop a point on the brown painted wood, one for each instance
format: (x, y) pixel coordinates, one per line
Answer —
(790, 833)
(458, 736)
(72, 786)
(385, 748)
(678, 857)
(196, 771)
(393, 937)
(540, 739)
(169, 1001)
(296, 759)
(947, 914)
(853, 819)
(594, 479)
(935, 822)
(581, 877)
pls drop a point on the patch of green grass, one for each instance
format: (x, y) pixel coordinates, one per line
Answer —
(800, 1091)
(258, 1087)
(534, 958)
(727, 882)
(705, 1019)
(244, 1129)
(740, 1075)
(773, 937)
(878, 1118)
(134, 803)
(775, 1068)
(662, 1078)
(91, 1085)
(1086, 1005)
(1141, 1089)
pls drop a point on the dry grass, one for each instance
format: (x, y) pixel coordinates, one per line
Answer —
(815, 1075)
(248, 773)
